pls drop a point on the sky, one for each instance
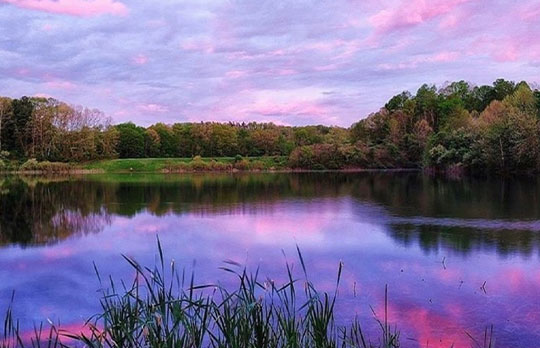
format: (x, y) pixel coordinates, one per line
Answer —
(291, 62)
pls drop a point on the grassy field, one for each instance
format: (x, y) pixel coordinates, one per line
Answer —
(157, 165)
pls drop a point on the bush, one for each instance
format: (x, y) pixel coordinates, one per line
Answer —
(242, 165)
(4, 155)
(453, 148)
(198, 165)
(219, 166)
(257, 165)
(54, 167)
(318, 157)
(31, 165)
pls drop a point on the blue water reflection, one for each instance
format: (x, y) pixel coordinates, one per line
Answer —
(435, 243)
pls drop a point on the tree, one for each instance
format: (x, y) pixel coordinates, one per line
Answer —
(19, 126)
(130, 140)
(152, 143)
(481, 97)
(223, 140)
(502, 88)
(523, 99)
(426, 105)
(107, 142)
(397, 102)
(185, 142)
(168, 145)
(452, 113)
(537, 98)
(5, 114)
(265, 140)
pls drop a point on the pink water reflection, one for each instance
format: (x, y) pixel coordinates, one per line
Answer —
(435, 284)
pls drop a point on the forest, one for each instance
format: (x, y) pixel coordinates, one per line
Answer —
(457, 126)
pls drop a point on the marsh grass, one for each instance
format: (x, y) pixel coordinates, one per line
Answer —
(163, 307)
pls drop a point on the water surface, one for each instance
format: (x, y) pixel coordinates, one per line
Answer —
(457, 256)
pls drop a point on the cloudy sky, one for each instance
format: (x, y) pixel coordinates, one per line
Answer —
(290, 62)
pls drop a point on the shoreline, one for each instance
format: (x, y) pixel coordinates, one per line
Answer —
(233, 171)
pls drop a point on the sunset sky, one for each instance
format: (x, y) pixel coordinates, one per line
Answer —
(290, 62)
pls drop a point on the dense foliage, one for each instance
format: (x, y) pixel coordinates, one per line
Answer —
(49, 130)
(456, 127)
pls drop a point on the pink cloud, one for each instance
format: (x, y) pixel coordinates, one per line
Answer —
(153, 108)
(235, 74)
(47, 27)
(411, 13)
(140, 59)
(43, 95)
(203, 45)
(441, 57)
(23, 72)
(80, 8)
(522, 46)
(327, 67)
(60, 84)
(530, 12)
(268, 108)
(449, 22)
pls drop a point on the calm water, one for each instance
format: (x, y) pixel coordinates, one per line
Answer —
(434, 242)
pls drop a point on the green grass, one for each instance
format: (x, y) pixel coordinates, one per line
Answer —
(156, 165)
(162, 307)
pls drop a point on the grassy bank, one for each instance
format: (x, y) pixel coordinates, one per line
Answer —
(165, 308)
(172, 165)
(149, 165)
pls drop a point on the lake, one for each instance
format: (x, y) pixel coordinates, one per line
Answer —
(457, 255)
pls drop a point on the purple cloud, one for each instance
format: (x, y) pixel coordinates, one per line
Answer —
(82, 8)
(289, 62)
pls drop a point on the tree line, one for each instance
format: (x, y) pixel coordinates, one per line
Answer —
(456, 126)
(47, 129)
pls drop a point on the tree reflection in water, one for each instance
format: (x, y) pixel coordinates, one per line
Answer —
(459, 215)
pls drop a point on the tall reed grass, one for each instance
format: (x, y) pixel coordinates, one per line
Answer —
(163, 307)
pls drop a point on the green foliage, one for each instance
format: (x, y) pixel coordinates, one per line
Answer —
(131, 140)
(452, 148)
(493, 127)
(503, 88)
(30, 165)
(536, 94)
(398, 102)
(327, 157)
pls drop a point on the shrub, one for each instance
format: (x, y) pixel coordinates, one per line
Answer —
(318, 156)
(53, 167)
(197, 164)
(30, 165)
(50, 167)
(257, 165)
(242, 165)
(219, 166)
